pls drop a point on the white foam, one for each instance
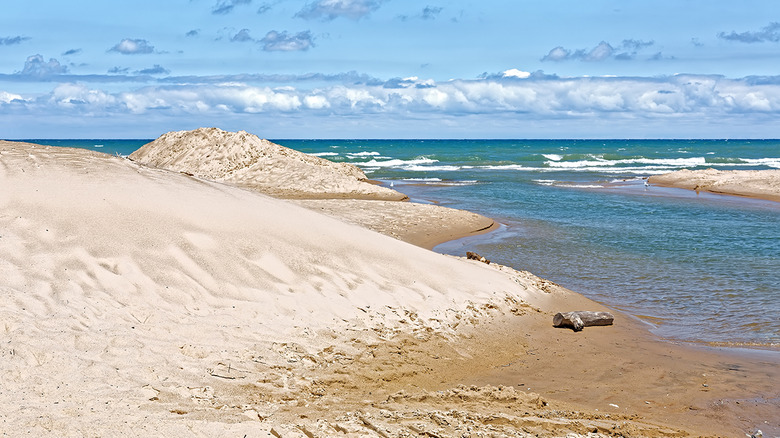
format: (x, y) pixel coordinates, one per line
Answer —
(553, 157)
(325, 154)
(771, 162)
(418, 168)
(580, 186)
(398, 163)
(600, 162)
(422, 179)
(363, 154)
(511, 167)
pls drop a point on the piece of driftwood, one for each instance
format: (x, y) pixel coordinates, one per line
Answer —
(474, 256)
(582, 318)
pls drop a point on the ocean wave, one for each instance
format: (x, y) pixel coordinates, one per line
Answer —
(580, 186)
(553, 157)
(600, 162)
(324, 154)
(511, 167)
(362, 154)
(418, 168)
(770, 162)
(422, 179)
(397, 162)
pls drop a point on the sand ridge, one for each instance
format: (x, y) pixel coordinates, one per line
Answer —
(243, 159)
(762, 184)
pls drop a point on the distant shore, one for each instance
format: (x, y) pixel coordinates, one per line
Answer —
(759, 184)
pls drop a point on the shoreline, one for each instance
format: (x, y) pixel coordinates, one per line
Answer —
(181, 304)
(754, 184)
(700, 408)
(423, 225)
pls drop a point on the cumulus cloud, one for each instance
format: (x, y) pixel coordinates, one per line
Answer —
(515, 73)
(36, 66)
(700, 101)
(769, 33)
(599, 53)
(284, 42)
(557, 54)
(6, 97)
(79, 96)
(332, 9)
(9, 41)
(132, 47)
(627, 50)
(226, 6)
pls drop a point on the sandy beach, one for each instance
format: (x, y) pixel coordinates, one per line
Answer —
(760, 184)
(139, 301)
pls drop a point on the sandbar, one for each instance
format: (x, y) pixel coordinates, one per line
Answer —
(759, 184)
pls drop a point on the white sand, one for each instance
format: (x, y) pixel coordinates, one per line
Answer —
(142, 302)
(244, 160)
(126, 290)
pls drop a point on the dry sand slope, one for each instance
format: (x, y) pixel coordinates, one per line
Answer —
(143, 302)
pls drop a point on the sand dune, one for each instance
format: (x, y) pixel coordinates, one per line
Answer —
(143, 302)
(128, 291)
(245, 160)
(762, 184)
(340, 190)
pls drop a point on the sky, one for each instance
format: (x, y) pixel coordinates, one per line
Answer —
(391, 68)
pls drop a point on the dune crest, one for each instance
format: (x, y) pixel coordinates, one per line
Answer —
(245, 160)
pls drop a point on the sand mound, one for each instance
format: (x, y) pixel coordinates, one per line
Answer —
(244, 160)
(763, 184)
(142, 302)
(132, 295)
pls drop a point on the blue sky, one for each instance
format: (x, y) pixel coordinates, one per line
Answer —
(391, 68)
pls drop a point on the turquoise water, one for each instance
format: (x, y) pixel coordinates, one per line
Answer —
(699, 268)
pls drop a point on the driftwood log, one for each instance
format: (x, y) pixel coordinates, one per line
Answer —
(581, 318)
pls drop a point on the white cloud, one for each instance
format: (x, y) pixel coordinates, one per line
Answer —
(37, 67)
(77, 95)
(132, 47)
(316, 102)
(515, 73)
(619, 100)
(6, 97)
